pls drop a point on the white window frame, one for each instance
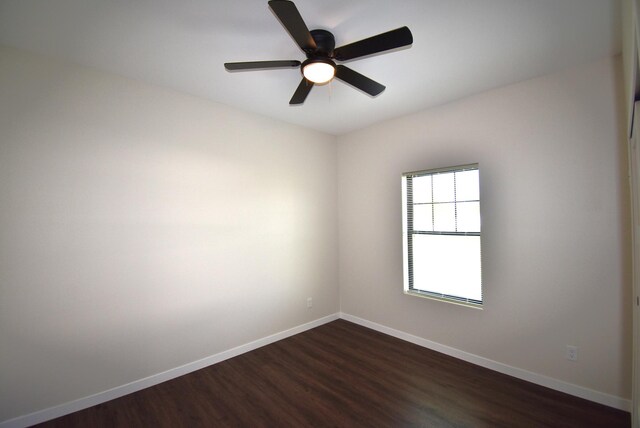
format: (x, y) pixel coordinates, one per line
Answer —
(408, 233)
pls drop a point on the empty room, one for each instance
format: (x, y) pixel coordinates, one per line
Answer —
(319, 213)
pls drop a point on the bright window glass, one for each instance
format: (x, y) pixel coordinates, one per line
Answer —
(441, 232)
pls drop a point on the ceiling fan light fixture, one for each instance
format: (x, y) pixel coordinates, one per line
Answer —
(319, 46)
(319, 70)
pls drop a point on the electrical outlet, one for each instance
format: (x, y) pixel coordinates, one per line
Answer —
(309, 302)
(572, 353)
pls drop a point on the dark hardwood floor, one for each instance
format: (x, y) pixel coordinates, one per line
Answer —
(345, 375)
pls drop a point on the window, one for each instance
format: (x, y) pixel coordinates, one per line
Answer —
(441, 234)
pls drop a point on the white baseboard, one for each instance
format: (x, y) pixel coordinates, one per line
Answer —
(558, 385)
(101, 397)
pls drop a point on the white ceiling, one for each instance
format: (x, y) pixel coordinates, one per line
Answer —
(460, 47)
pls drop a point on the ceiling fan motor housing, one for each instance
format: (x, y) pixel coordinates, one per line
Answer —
(325, 43)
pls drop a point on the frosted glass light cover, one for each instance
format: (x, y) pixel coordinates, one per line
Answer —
(319, 72)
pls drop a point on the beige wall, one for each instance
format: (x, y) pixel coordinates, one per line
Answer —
(555, 224)
(142, 229)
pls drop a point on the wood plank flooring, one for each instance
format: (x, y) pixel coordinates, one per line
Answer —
(345, 375)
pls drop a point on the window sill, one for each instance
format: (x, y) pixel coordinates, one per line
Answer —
(454, 301)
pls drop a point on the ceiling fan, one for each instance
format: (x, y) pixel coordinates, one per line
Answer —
(319, 46)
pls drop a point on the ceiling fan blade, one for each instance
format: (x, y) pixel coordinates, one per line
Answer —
(356, 79)
(253, 65)
(382, 42)
(290, 18)
(301, 93)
